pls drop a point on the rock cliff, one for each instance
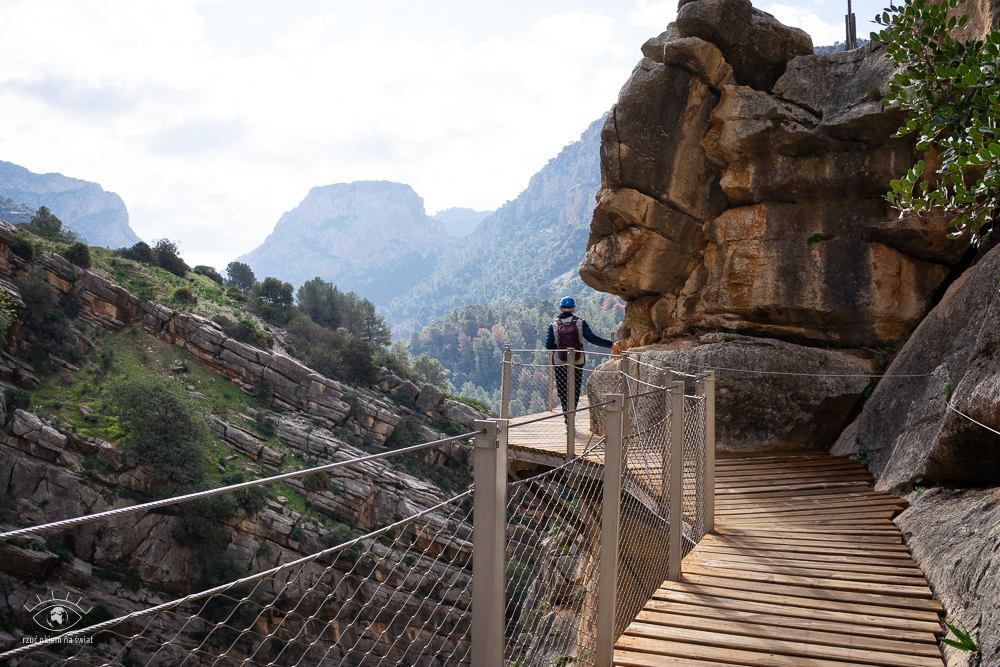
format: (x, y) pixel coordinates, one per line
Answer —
(49, 472)
(741, 215)
(99, 216)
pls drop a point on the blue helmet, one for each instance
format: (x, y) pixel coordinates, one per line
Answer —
(567, 302)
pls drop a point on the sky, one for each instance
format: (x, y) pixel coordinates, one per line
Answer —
(212, 118)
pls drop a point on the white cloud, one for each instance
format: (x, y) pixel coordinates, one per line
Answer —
(208, 143)
(822, 31)
(655, 15)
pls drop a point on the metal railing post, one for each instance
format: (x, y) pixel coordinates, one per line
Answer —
(676, 533)
(624, 368)
(552, 377)
(607, 583)
(489, 547)
(571, 399)
(667, 378)
(710, 452)
(505, 383)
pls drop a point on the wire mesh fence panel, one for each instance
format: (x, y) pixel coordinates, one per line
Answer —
(398, 595)
(695, 470)
(553, 554)
(643, 542)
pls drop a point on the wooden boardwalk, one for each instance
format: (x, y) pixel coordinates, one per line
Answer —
(805, 569)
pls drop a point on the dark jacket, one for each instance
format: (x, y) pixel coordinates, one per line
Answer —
(592, 338)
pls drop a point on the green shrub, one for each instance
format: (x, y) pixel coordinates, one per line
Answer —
(17, 399)
(167, 257)
(79, 254)
(140, 252)
(209, 272)
(199, 523)
(316, 481)
(162, 427)
(185, 295)
(23, 248)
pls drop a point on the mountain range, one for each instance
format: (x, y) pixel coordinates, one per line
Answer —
(369, 237)
(99, 216)
(374, 238)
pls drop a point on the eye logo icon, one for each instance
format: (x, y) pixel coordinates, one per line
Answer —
(57, 614)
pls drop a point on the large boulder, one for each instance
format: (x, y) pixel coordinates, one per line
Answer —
(650, 141)
(953, 535)
(755, 43)
(770, 394)
(639, 246)
(920, 421)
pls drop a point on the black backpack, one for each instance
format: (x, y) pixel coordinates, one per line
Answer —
(568, 334)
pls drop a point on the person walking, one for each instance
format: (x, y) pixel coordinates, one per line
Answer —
(568, 331)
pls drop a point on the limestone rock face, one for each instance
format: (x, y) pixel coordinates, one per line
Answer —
(909, 427)
(650, 141)
(953, 536)
(754, 42)
(757, 408)
(727, 206)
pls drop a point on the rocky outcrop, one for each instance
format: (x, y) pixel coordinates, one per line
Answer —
(754, 42)
(742, 190)
(763, 401)
(953, 535)
(918, 422)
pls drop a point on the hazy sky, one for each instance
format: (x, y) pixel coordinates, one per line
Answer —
(211, 119)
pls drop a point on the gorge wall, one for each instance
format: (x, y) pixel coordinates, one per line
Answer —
(742, 217)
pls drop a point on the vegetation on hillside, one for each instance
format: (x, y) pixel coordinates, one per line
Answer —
(951, 94)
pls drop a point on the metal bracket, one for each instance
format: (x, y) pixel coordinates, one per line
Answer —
(491, 438)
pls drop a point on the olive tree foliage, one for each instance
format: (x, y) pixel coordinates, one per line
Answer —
(162, 427)
(45, 224)
(950, 92)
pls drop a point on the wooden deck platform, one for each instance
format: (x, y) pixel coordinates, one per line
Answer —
(806, 569)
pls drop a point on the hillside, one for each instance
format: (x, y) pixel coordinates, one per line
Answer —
(369, 237)
(99, 216)
(529, 248)
(70, 448)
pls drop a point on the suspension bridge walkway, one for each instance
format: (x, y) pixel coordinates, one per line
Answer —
(617, 536)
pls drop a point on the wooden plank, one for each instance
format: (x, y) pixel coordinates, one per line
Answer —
(906, 590)
(631, 659)
(790, 499)
(870, 624)
(857, 484)
(749, 536)
(798, 496)
(805, 587)
(899, 569)
(793, 515)
(752, 508)
(768, 648)
(846, 549)
(724, 478)
(882, 528)
(733, 567)
(819, 556)
(792, 599)
(784, 628)
(742, 485)
(784, 474)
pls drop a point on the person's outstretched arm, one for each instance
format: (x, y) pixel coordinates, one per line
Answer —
(591, 337)
(550, 339)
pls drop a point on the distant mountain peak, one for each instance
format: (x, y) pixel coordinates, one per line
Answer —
(370, 237)
(94, 213)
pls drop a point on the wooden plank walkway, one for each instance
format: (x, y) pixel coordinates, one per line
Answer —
(806, 569)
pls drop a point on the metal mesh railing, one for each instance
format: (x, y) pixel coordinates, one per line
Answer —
(398, 594)
(553, 553)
